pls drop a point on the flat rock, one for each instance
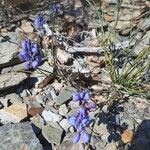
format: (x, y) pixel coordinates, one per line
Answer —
(14, 113)
(63, 110)
(8, 50)
(64, 124)
(11, 79)
(65, 95)
(19, 136)
(53, 133)
(50, 116)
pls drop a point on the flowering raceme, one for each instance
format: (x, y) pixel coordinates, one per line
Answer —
(30, 52)
(39, 21)
(81, 118)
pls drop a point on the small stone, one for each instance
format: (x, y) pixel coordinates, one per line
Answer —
(72, 129)
(64, 57)
(63, 110)
(73, 105)
(65, 95)
(53, 133)
(21, 137)
(50, 116)
(41, 98)
(64, 124)
(14, 113)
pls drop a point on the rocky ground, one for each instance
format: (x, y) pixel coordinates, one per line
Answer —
(35, 104)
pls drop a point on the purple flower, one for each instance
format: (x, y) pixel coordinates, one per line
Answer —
(81, 95)
(30, 52)
(76, 138)
(39, 21)
(24, 55)
(85, 136)
(56, 8)
(72, 120)
(90, 105)
(81, 118)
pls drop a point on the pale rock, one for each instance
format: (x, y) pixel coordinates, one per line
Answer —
(64, 124)
(63, 110)
(65, 95)
(73, 105)
(63, 57)
(14, 113)
(50, 116)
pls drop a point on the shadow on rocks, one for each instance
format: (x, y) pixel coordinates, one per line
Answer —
(141, 138)
(112, 119)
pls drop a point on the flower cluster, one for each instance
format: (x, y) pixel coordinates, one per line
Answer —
(30, 52)
(56, 8)
(81, 118)
(39, 21)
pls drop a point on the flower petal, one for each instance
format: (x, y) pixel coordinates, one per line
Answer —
(87, 95)
(85, 137)
(75, 96)
(72, 120)
(90, 105)
(76, 138)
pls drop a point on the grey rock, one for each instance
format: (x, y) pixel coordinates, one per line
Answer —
(53, 133)
(8, 50)
(12, 79)
(50, 116)
(41, 98)
(73, 105)
(64, 124)
(18, 136)
(65, 95)
(63, 110)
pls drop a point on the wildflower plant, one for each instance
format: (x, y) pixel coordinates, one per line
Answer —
(30, 53)
(81, 117)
